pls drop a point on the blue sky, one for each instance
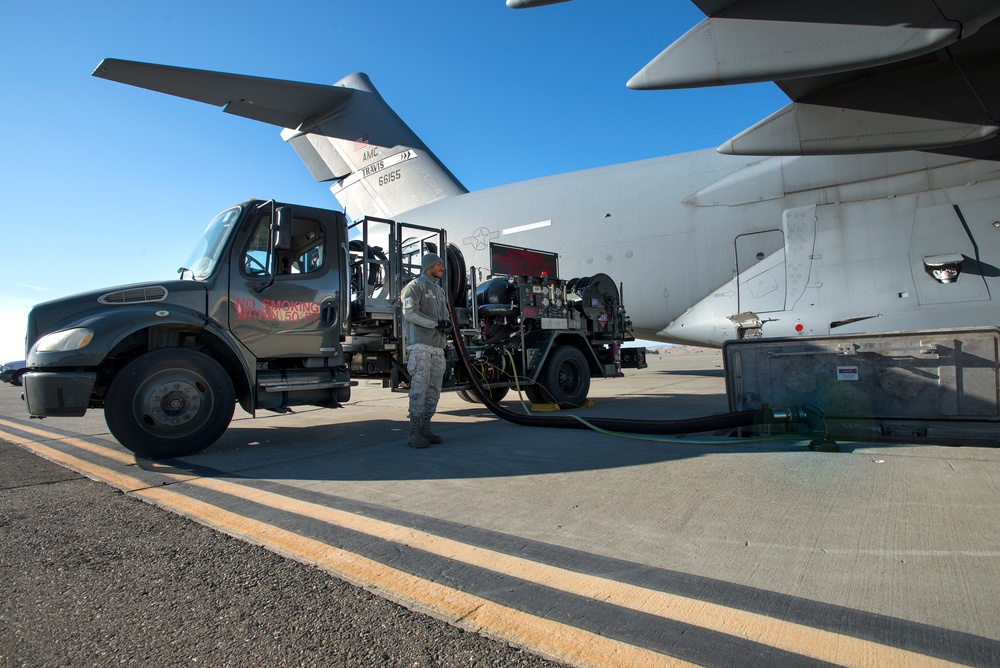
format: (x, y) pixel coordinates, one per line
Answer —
(105, 184)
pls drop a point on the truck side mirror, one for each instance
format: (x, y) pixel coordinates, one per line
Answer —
(282, 228)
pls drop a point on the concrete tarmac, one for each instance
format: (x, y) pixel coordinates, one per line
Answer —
(92, 577)
(599, 549)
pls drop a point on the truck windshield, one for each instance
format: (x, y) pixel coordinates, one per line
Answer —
(201, 263)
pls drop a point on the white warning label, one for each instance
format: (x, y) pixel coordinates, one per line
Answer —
(847, 373)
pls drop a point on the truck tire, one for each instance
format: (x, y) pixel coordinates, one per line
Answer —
(472, 396)
(169, 403)
(565, 378)
(534, 394)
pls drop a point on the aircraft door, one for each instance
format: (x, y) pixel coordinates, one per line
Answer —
(760, 269)
(285, 302)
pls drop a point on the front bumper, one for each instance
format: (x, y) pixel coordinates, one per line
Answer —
(58, 393)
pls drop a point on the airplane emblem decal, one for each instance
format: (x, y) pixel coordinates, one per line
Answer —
(481, 238)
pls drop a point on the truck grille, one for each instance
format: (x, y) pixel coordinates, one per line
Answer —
(135, 296)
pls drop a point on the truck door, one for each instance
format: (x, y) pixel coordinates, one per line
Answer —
(285, 302)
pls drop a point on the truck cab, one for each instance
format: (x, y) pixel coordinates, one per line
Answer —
(258, 315)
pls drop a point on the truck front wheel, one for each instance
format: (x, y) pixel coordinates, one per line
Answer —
(169, 403)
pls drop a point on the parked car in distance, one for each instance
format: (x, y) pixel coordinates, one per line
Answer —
(12, 372)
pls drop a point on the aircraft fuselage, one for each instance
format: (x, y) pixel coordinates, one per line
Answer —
(809, 245)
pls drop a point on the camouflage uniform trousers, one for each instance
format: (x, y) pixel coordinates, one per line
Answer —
(426, 365)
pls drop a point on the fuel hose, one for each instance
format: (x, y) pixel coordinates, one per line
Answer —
(686, 426)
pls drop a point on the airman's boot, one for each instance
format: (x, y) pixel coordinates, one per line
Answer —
(413, 438)
(425, 431)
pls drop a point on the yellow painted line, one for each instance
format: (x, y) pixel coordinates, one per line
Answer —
(119, 457)
(97, 472)
(561, 641)
(780, 634)
(127, 459)
(567, 643)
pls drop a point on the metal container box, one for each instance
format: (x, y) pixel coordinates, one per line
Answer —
(890, 384)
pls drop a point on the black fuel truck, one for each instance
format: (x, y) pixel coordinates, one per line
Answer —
(284, 305)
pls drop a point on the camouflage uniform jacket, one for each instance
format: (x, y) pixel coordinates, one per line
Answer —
(424, 304)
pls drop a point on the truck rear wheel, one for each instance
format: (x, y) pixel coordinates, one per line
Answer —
(565, 378)
(169, 403)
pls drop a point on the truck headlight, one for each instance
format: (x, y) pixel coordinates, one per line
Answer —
(66, 340)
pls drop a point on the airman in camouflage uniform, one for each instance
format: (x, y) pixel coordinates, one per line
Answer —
(425, 310)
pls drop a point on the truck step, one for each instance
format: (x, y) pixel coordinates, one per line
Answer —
(325, 385)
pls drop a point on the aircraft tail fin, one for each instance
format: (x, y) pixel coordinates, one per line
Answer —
(379, 166)
(345, 133)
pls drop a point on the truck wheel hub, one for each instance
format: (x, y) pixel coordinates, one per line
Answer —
(174, 403)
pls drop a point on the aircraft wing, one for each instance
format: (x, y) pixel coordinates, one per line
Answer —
(287, 104)
(862, 76)
(344, 133)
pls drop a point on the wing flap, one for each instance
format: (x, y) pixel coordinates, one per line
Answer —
(721, 51)
(287, 104)
(806, 129)
(891, 75)
(526, 4)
